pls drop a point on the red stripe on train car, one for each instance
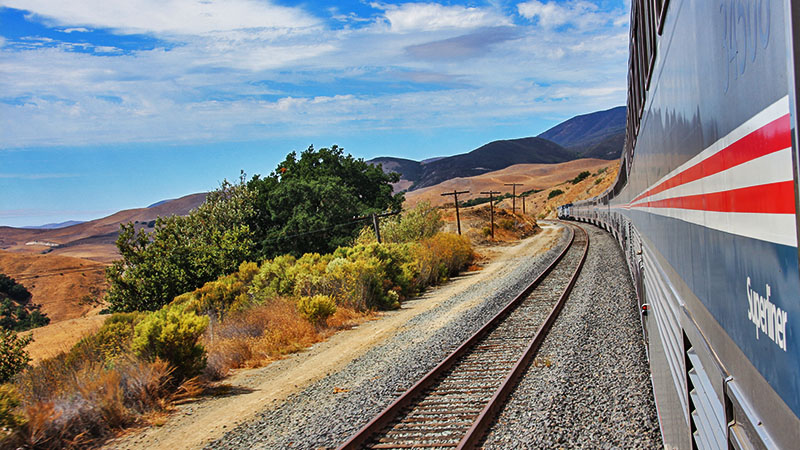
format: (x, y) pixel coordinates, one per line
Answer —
(770, 138)
(773, 198)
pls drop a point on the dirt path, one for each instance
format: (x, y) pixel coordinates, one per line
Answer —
(196, 424)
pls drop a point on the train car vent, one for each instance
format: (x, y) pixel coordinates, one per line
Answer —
(706, 413)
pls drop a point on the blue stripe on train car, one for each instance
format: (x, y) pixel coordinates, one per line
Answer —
(716, 266)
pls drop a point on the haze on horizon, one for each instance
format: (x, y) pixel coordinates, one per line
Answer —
(108, 105)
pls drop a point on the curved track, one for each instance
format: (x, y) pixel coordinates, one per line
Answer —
(452, 406)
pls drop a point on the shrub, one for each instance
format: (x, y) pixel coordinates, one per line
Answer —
(13, 357)
(420, 222)
(437, 258)
(506, 224)
(262, 334)
(272, 278)
(86, 402)
(219, 297)
(581, 176)
(316, 309)
(9, 418)
(172, 334)
(554, 193)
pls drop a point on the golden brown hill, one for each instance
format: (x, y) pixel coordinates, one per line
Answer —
(531, 176)
(94, 239)
(66, 287)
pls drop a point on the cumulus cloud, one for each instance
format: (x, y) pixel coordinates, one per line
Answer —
(411, 17)
(166, 16)
(579, 13)
(224, 81)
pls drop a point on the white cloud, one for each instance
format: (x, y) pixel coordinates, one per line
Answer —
(76, 30)
(166, 16)
(580, 13)
(249, 84)
(411, 17)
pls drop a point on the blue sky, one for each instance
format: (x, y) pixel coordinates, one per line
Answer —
(112, 104)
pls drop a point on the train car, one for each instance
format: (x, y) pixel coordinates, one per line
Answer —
(705, 209)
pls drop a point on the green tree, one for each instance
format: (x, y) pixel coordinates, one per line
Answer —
(182, 252)
(307, 204)
(13, 357)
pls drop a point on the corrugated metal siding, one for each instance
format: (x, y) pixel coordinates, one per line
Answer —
(664, 304)
(707, 412)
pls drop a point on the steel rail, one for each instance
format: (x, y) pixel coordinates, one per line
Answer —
(389, 414)
(481, 424)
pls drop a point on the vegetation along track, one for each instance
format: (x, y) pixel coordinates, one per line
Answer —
(456, 401)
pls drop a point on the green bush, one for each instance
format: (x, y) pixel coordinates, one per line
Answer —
(506, 224)
(420, 222)
(172, 334)
(13, 357)
(272, 278)
(581, 176)
(554, 193)
(109, 343)
(226, 294)
(316, 309)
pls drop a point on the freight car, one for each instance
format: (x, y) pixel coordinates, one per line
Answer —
(705, 210)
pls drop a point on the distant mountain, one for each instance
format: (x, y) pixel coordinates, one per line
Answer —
(493, 156)
(93, 239)
(596, 135)
(53, 226)
(599, 134)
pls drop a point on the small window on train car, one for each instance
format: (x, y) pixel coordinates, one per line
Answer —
(650, 29)
(661, 13)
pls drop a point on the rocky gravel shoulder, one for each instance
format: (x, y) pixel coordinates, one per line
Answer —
(589, 386)
(328, 411)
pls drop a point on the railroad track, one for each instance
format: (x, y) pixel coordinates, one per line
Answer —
(453, 405)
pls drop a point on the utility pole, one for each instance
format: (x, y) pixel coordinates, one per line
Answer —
(513, 196)
(377, 227)
(376, 223)
(455, 199)
(523, 202)
(491, 207)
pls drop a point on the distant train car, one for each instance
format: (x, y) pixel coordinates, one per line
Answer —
(705, 209)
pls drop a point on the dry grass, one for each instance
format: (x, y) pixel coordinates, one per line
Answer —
(266, 333)
(67, 405)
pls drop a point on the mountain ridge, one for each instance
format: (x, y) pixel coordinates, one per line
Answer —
(599, 135)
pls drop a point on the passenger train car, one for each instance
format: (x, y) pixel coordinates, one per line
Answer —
(705, 210)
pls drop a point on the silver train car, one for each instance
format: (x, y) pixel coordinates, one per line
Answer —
(705, 209)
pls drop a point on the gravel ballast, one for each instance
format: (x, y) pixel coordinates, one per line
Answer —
(330, 410)
(590, 384)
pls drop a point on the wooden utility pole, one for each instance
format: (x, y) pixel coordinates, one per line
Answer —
(377, 227)
(513, 196)
(375, 223)
(455, 199)
(523, 203)
(491, 207)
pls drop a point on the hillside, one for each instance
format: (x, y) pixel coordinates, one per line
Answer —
(94, 239)
(487, 158)
(599, 134)
(65, 287)
(493, 156)
(531, 176)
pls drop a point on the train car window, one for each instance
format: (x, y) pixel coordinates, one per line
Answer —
(650, 28)
(661, 13)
